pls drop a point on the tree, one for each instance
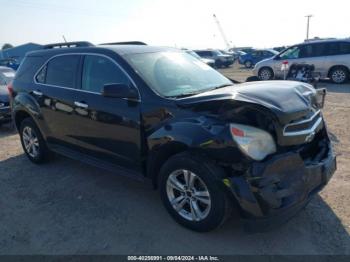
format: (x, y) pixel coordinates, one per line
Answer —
(6, 46)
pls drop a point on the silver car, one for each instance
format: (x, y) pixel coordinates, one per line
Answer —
(331, 59)
(6, 76)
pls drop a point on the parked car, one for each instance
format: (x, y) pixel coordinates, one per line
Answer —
(247, 50)
(208, 145)
(208, 61)
(6, 76)
(221, 60)
(331, 59)
(9, 62)
(250, 59)
(233, 54)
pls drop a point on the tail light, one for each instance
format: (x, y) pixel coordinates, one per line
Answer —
(10, 89)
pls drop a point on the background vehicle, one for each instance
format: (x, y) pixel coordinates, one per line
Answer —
(331, 59)
(233, 54)
(6, 76)
(9, 62)
(155, 112)
(250, 59)
(208, 61)
(221, 60)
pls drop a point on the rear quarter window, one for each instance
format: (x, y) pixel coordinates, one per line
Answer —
(28, 68)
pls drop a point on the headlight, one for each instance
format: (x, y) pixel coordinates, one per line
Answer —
(253, 142)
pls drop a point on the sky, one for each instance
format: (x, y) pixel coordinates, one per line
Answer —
(179, 23)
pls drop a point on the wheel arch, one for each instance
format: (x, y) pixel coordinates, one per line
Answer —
(157, 158)
(23, 106)
(19, 116)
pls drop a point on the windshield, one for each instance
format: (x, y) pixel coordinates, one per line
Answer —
(176, 74)
(274, 52)
(290, 53)
(217, 52)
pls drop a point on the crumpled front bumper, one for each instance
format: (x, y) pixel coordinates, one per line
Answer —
(273, 191)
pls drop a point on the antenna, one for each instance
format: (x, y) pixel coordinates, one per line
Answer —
(64, 39)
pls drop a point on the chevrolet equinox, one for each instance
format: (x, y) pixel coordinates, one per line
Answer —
(211, 147)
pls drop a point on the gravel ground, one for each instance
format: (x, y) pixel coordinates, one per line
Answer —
(66, 207)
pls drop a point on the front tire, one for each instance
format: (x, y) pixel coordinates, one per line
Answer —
(265, 74)
(33, 143)
(339, 75)
(191, 192)
(248, 64)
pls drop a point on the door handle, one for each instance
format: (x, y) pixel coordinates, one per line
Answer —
(81, 105)
(37, 93)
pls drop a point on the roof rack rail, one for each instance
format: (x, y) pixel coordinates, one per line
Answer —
(68, 44)
(126, 43)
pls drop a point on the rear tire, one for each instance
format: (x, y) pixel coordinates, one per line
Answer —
(33, 143)
(339, 75)
(202, 205)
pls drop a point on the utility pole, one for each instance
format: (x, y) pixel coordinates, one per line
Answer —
(308, 26)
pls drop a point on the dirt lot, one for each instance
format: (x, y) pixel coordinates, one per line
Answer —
(66, 207)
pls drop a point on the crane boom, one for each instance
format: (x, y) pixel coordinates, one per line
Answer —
(221, 31)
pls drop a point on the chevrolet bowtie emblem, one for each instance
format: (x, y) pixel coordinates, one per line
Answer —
(309, 137)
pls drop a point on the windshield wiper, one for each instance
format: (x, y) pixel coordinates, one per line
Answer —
(184, 95)
(198, 92)
(221, 86)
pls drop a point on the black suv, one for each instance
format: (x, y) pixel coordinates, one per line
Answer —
(209, 146)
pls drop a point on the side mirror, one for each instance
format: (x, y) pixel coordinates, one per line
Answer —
(277, 57)
(120, 91)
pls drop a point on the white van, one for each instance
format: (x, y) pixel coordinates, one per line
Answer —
(331, 59)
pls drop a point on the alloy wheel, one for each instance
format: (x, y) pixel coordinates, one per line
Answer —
(30, 141)
(188, 195)
(265, 74)
(338, 76)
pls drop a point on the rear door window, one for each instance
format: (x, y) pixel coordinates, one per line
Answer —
(344, 48)
(338, 48)
(99, 71)
(333, 48)
(318, 50)
(305, 51)
(61, 71)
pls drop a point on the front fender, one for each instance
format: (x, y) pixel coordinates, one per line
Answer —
(202, 135)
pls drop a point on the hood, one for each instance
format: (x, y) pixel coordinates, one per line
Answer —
(288, 100)
(4, 94)
(265, 60)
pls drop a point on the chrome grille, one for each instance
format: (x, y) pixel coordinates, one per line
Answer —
(304, 126)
